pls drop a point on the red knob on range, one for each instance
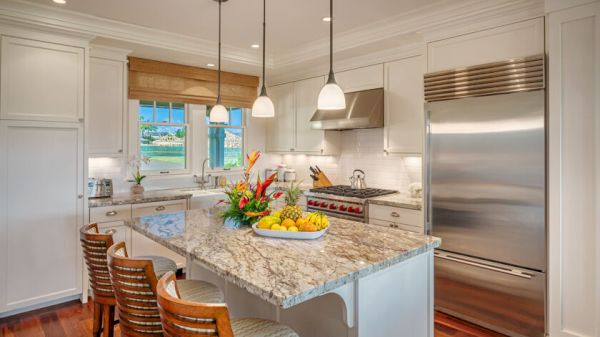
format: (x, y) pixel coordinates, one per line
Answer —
(332, 206)
(310, 203)
(343, 208)
(323, 204)
(350, 209)
(357, 210)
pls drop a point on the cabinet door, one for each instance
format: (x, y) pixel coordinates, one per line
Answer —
(281, 129)
(41, 211)
(404, 116)
(364, 78)
(306, 93)
(520, 39)
(107, 106)
(574, 172)
(41, 81)
(152, 208)
(122, 232)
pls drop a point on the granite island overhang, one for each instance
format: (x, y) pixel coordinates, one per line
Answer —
(372, 269)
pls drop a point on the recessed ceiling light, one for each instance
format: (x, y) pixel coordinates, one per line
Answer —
(326, 19)
(62, 2)
(255, 46)
(210, 65)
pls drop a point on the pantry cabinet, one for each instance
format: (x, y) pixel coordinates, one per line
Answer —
(41, 81)
(404, 116)
(108, 103)
(289, 131)
(41, 211)
(573, 171)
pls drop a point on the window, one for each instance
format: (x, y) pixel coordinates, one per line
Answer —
(226, 141)
(163, 136)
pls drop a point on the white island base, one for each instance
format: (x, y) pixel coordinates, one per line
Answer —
(394, 302)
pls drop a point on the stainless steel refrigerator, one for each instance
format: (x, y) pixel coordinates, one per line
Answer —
(485, 170)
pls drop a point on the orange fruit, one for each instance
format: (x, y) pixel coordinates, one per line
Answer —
(309, 227)
(288, 223)
(300, 221)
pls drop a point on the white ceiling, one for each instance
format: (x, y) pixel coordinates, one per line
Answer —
(290, 22)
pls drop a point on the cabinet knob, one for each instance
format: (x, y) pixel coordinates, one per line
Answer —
(111, 213)
(120, 150)
(160, 208)
(80, 196)
(80, 120)
(395, 215)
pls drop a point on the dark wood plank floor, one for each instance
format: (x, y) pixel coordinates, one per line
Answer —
(74, 319)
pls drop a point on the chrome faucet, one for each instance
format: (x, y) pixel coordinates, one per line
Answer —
(202, 180)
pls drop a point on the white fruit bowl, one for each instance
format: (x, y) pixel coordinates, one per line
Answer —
(289, 235)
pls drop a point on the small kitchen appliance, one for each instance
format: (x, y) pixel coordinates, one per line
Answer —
(100, 188)
(357, 181)
(343, 201)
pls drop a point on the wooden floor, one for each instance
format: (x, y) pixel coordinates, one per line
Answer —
(74, 319)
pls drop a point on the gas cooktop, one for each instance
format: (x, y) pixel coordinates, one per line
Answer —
(347, 191)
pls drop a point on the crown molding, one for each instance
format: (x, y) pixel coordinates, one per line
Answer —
(433, 21)
(42, 16)
(111, 53)
(317, 68)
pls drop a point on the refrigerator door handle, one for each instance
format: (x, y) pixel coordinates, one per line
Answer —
(427, 168)
(514, 272)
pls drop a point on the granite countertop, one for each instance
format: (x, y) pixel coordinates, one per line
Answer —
(148, 196)
(397, 200)
(283, 272)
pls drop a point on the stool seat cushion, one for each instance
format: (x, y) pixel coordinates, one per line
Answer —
(161, 264)
(200, 291)
(254, 327)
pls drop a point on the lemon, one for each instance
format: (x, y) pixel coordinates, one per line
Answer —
(292, 229)
(276, 227)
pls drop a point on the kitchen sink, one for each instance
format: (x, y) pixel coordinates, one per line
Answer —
(204, 198)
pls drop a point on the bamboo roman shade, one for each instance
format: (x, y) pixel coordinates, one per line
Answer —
(162, 81)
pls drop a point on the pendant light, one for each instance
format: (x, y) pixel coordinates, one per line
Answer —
(331, 96)
(218, 113)
(263, 106)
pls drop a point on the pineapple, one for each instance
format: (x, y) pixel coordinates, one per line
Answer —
(291, 209)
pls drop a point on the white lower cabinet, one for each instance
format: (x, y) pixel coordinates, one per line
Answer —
(113, 217)
(41, 211)
(395, 217)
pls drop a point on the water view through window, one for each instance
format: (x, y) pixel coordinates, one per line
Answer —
(226, 141)
(163, 132)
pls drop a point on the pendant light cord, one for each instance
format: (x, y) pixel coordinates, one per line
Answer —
(219, 73)
(331, 78)
(263, 90)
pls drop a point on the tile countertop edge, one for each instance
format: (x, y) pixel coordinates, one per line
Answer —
(304, 295)
(127, 198)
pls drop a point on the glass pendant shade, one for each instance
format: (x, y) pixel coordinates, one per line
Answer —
(263, 107)
(331, 97)
(219, 114)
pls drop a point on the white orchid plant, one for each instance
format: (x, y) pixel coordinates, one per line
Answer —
(135, 163)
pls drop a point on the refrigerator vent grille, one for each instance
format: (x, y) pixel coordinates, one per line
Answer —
(523, 74)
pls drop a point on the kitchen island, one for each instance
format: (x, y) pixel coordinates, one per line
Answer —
(357, 280)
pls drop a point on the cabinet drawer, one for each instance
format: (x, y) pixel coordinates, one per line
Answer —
(122, 232)
(151, 208)
(396, 215)
(110, 213)
(409, 228)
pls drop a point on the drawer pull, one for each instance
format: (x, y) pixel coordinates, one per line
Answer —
(160, 208)
(395, 215)
(111, 213)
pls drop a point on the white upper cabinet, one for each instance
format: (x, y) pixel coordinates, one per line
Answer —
(281, 128)
(306, 93)
(289, 131)
(404, 116)
(107, 107)
(502, 43)
(41, 81)
(364, 78)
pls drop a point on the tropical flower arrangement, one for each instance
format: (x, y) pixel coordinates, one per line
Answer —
(249, 202)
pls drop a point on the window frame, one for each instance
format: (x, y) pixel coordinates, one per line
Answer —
(188, 138)
(212, 169)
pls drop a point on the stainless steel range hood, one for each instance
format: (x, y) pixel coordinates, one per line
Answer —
(364, 109)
